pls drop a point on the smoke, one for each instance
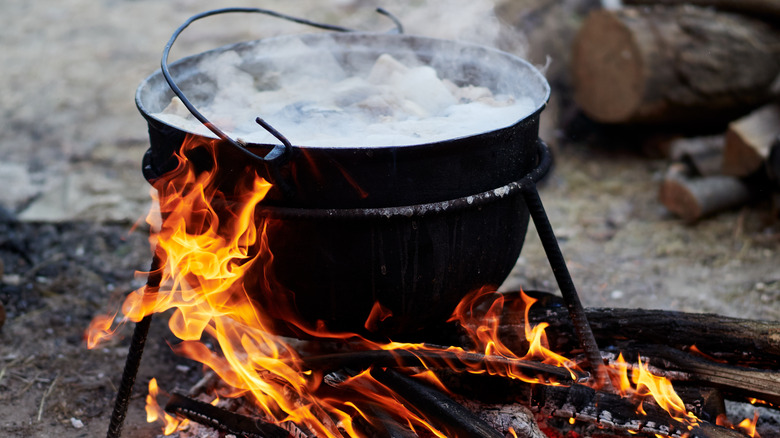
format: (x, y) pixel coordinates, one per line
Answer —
(359, 94)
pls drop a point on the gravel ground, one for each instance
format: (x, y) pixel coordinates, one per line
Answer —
(72, 140)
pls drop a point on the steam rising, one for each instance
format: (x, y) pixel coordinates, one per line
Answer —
(320, 95)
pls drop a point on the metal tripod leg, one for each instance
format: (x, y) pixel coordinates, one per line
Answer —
(133, 360)
(561, 271)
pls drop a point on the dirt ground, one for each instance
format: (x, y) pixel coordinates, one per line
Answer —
(71, 143)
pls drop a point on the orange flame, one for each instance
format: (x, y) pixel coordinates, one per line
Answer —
(208, 239)
(154, 412)
(748, 426)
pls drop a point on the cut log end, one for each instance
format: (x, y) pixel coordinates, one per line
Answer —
(680, 200)
(608, 75)
(677, 65)
(694, 198)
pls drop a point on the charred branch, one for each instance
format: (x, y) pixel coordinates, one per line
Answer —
(441, 410)
(220, 419)
(432, 358)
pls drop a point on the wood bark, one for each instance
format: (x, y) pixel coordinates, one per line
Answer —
(680, 64)
(749, 141)
(749, 342)
(738, 341)
(692, 198)
(765, 9)
(436, 407)
(737, 381)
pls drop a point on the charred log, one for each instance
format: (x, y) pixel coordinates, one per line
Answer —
(744, 383)
(738, 341)
(618, 413)
(438, 408)
(431, 358)
(220, 419)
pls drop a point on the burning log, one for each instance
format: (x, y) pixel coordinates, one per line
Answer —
(748, 383)
(221, 419)
(672, 64)
(617, 413)
(740, 341)
(587, 405)
(693, 198)
(439, 409)
(432, 358)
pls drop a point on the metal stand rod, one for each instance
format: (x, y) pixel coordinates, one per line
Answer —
(133, 360)
(565, 283)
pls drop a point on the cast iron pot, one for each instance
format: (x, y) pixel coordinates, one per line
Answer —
(413, 227)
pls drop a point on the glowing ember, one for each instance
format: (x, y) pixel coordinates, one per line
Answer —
(208, 240)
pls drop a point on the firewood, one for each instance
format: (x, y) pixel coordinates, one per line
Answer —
(735, 340)
(702, 155)
(432, 358)
(693, 198)
(672, 64)
(438, 408)
(749, 141)
(744, 382)
(732, 339)
(606, 410)
(617, 413)
(220, 419)
(768, 9)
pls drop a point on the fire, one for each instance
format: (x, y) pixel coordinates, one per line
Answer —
(154, 412)
(747, 426)
(207, 240)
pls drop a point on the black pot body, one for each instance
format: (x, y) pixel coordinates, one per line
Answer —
(340, 235)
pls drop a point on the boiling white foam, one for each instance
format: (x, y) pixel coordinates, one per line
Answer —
(317, 103)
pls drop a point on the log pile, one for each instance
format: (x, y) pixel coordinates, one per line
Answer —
(715, 173)
(691, 65)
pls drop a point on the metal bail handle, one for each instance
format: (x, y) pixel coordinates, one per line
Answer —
(281, 152)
